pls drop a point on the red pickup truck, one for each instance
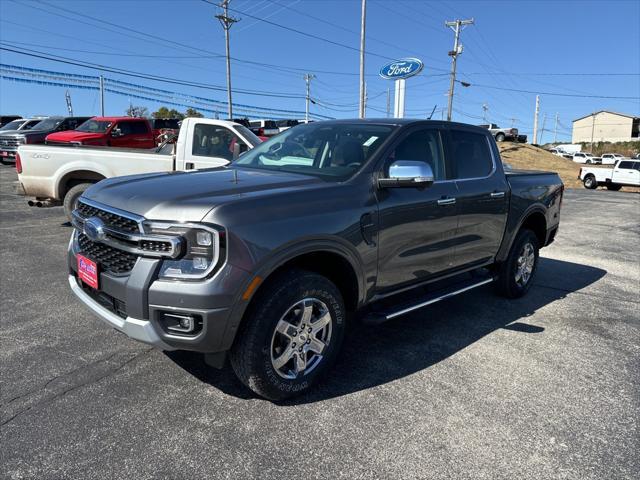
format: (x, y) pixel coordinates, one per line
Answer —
(127, 132)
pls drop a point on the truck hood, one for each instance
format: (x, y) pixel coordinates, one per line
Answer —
(73, 136)
(189, 196)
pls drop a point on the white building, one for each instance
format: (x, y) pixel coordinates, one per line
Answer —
(606, 126)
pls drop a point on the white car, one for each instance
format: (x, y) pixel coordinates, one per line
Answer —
(582, 157)
(57, 175)
(557, 152)
(611, 158)
(624, 173)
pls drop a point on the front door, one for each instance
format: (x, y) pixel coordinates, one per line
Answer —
(212, 146)
(482, 198)
(416, 225)
(627, 173)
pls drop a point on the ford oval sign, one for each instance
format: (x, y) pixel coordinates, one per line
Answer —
(403, 68)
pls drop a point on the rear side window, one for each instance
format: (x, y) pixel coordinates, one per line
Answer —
(625, 165)
(470, 154)
(423, 146)
(136, 128)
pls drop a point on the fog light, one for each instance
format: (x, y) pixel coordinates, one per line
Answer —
(180, 323)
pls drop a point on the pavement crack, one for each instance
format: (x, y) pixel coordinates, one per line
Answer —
(72, 388)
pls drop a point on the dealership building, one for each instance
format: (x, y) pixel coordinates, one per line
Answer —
(606, 126)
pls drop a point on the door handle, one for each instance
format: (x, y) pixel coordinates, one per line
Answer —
(497, 194)
(447, 201)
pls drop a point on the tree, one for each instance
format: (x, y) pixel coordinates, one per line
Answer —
(164, 112)
(137, 111)
(192, 112)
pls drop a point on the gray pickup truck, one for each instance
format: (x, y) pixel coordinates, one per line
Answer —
(268, 259)
(502, 134)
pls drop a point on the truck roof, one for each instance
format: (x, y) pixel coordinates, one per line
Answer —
(401, 122)
(117, 119)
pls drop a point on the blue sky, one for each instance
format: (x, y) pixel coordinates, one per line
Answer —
(516, 45)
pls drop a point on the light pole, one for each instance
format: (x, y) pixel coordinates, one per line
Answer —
(362, 37)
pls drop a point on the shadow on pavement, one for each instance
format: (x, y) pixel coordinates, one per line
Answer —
(373, 356)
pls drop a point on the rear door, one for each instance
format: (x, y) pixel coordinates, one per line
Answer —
(482, 197)
(416, 225)
(211, 146)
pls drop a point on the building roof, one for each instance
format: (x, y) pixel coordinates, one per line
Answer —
(607, 111)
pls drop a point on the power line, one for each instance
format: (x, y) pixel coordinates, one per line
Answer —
(557, 94)
(300, 32)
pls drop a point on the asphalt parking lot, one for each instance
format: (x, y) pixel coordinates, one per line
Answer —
(547, 386)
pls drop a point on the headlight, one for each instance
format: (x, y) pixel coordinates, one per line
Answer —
(201, 249)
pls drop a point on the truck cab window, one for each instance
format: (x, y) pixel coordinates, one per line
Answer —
(138, 128)
(215, 141)
(424, 146)
(471, 154)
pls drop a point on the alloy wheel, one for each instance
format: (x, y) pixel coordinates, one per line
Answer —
(301, 338)
(524, 264)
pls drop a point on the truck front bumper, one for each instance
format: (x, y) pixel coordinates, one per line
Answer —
(141, 330)
(138, 304)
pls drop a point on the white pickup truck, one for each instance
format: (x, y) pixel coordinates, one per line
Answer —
(624, 173)
(57, 175)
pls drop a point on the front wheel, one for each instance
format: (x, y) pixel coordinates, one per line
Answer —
(590, 182)
(291, 336)
(515, 274)
(500, 137)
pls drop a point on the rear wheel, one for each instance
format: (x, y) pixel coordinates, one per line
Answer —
(291, 336)
(500, 137)
(590, 182)
(515, 274)
(613, 186)
(71, 198)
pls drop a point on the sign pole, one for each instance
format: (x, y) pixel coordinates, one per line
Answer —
(398, 107)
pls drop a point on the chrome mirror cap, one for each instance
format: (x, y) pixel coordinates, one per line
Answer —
(408, 173)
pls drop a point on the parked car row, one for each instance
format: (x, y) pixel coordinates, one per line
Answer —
(55, 175)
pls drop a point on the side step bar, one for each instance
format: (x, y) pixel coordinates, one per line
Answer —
(377, 317)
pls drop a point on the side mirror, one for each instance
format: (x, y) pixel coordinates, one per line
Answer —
(116, 132)
(408, 173)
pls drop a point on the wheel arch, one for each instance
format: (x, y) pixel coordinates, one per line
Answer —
(533, 218)
(330, 259)
(75, 177)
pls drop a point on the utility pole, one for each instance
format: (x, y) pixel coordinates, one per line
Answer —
(593, 127)
(363, 18)
(485, 107)
(307, 78)
(555, 130)
(226, 21)
(67, 97)
(457, 27)
(544, 121)
(535, 121)
(101, 96)
(513, 122)
(388, 102)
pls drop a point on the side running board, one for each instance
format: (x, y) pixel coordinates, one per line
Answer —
(377, 317)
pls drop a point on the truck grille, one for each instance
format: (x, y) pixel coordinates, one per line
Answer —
(9, 142)
(112, 304)
(112, 220)
(110, 259)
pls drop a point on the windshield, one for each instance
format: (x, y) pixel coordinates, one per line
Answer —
(331, 151)
(248, 134)
(48, 124)
(13, 125)
(94, 126)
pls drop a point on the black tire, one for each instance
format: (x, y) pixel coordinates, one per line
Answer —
(507, 284)
(500, 137)
(252, 355)
(614, 187)
(589, 161)
(590, 182)
(71, 198)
